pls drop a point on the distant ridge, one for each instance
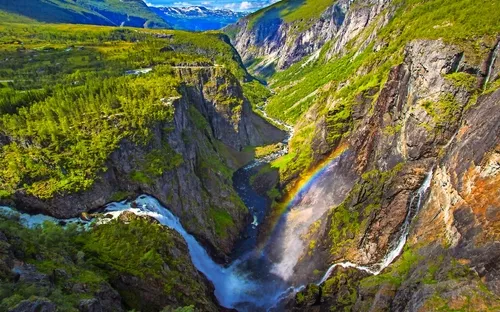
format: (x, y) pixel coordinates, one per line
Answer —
(133, 13)
(197, 18)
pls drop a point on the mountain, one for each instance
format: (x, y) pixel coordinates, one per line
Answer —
(133, 13)
(149, 170)
(197, 18)
(408, 93)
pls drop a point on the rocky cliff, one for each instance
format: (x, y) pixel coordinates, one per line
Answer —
(187, 165)
(407, 109)
(142, 266)
(270, 40)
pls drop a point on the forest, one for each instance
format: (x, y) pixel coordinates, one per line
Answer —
(70, 94)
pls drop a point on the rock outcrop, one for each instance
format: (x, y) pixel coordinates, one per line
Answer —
(88, 278)
(422, 122)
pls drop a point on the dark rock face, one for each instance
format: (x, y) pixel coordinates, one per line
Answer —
(198, 185)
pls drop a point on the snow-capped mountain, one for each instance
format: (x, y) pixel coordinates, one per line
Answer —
(197, 18)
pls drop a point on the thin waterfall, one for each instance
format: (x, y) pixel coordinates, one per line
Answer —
(397, 247)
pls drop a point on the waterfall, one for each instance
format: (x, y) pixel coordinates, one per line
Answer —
(414, 207)
(492, 64)
(254, 282)
(234, 285)
(259, 280)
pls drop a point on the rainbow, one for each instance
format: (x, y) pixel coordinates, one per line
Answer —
(295, 193)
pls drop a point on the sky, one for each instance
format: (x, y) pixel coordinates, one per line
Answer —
(235, 5)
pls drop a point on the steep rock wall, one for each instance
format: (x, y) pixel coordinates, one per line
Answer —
(271, 44)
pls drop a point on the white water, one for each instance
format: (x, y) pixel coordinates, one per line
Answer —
(257, 281)
(241, 285)
(327, 189)
(397, 248)
(31, 221)
(233, 284)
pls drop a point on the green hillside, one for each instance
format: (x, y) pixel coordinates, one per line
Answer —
(48, 83)
(291, 11)
(134, 13)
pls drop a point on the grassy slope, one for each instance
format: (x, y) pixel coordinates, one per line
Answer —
(65, 78)
(108, 12)
(301, 11)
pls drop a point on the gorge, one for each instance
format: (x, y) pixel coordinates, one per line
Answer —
(313, 156)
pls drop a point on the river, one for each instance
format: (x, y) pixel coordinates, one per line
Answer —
(258, 278)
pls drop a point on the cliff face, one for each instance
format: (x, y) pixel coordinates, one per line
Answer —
(408, 109)
(450, 258)
(422, 123)
(272, 43)
(187, 163)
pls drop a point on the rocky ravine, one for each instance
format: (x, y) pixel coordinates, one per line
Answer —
(212, 123)
(420, 120)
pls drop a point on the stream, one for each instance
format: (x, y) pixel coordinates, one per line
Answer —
(259, 278)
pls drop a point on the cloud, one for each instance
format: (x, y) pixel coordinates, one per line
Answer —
(245, 6)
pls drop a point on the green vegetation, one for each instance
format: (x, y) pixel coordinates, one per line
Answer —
(199, 120)
(222, 220)
(338, 123)
(397, 272)
(446, 111)
(256, 93)
(463, 80)
(155, 163)
(301, 12)
(332, 85)
(99, 12)
(85, 260)
(299, 159)
(160, 160)
(71, 103)
(348, 222)
(450, 20)
(343, 287)
(309, 295)
(121, 195)
(263, 151)
(214, 164)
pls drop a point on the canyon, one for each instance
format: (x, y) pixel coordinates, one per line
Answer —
(359, 173)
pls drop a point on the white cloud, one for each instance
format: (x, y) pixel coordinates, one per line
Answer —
(245, 6)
